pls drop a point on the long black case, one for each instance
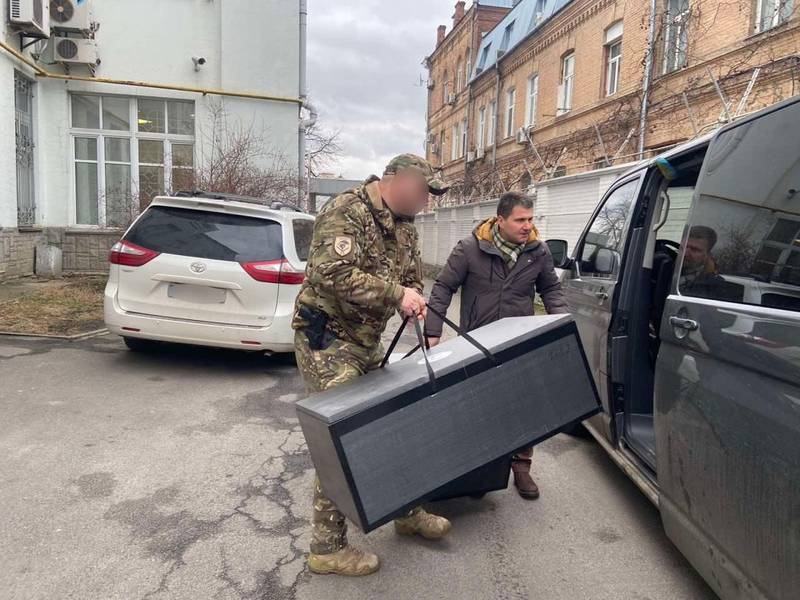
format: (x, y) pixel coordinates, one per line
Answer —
(392, 439)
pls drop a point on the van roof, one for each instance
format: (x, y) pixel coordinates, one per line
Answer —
(230, 203)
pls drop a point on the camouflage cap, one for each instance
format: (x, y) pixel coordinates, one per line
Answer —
(404, 162)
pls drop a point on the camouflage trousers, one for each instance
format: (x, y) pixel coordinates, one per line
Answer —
(321, 370)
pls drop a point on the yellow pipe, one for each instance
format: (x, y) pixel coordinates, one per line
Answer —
(40, 72)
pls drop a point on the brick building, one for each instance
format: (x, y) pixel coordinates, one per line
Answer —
(559, 87)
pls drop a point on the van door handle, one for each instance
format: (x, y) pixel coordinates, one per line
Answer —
(681, 323)
(602, 294)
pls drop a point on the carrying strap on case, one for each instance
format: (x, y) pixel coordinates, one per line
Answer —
(423, 343)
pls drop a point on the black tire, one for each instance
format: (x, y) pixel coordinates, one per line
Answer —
(138, 344)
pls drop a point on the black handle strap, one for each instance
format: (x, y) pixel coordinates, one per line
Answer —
(394, 343)
(463, 334)
(421, 338)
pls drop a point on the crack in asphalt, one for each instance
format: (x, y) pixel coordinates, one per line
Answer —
(170, 536)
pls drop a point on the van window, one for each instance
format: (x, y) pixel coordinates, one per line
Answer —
(604, 243)
(743, 244)
(303, 230)
(205, 234)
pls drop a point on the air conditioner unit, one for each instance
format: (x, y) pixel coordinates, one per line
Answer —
(431, 138)
(71, 15)
(74, 51)
(29, 17)
(451, 99)
(435, 148)
(479, 152)
(430, 84)
(522, 136)
(470, 156)
(500, 54)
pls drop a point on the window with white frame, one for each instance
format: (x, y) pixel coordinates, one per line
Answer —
(24, 146)
(468, 69)
(480, 140)
(771, 13)
(565, 89)
(463, 138)
(490, 135)
(533, 100)
(613, 50)
(454, 143)
(445, 86)
(676, 39)
(459, 77)
(127, 150)
(511, 100)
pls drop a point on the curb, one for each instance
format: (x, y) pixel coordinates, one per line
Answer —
(70, 338)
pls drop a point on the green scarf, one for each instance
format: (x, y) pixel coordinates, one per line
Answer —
(509, 251)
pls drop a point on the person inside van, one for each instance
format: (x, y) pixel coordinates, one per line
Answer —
(699, 274)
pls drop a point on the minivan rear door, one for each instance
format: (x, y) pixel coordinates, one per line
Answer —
(727, 391)
(199, 273)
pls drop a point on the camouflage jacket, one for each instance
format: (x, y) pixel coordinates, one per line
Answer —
(361, 258)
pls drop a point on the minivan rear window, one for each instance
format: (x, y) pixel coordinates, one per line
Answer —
(210, 235)
(303, 230)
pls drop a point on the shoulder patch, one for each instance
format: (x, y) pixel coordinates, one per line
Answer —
(343, 245)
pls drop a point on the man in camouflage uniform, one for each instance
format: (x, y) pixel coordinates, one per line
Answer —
(363, 265)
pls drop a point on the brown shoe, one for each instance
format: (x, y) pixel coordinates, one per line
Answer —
(347, 561)
(523, 481)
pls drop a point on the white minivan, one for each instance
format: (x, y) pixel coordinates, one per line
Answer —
(209, 270)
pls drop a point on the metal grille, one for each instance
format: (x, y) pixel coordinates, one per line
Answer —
(23, 127)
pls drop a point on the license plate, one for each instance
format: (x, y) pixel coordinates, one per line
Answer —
(199, 294)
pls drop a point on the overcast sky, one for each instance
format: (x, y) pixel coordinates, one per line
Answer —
(364, 67)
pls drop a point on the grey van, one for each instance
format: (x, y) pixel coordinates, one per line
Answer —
(685, 286)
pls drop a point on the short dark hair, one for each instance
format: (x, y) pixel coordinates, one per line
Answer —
(701, 232)
(511, 199)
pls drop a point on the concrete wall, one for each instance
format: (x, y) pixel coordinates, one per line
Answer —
(562, 209)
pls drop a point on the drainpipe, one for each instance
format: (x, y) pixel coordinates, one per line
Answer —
(304, 104)
(496, 112)
(470, 112)
(648, 69)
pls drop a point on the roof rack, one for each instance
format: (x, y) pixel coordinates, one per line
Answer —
(274, 204)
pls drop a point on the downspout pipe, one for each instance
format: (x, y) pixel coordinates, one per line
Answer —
(648, 73)
(304, 124)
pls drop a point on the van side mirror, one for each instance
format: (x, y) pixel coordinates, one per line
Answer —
(560, 251)
(605, 261)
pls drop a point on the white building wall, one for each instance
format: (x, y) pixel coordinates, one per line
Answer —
(248, 46)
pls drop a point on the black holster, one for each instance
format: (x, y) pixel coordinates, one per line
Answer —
(317, 332)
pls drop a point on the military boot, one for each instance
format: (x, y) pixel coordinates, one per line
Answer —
(424, 523)
(347, 561)
(523, 481)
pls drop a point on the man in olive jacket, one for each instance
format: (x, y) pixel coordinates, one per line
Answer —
(499, 268)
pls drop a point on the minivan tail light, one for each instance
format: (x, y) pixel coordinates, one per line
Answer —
(274, 271)
(130, 255)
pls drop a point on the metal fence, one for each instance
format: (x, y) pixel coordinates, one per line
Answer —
(562, 207)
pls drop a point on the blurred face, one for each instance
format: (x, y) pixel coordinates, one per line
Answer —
(406, 193)
(696, 252)
(517, 227)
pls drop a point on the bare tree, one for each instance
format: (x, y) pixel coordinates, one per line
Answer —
(323, 149)
(235, 158)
